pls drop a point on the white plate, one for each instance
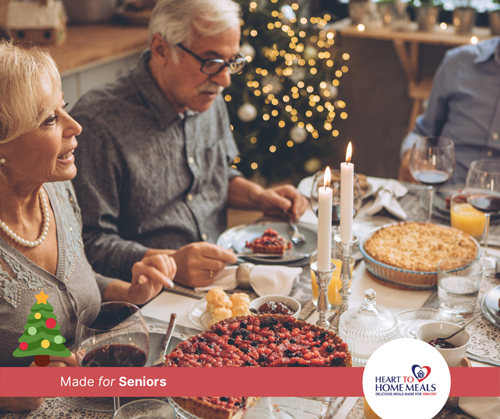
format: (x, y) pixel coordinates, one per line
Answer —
(199, 315)
(237, 237)
(410, 320)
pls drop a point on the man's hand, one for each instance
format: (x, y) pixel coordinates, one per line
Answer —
(283, 199)
(149, 276)
(199, 263)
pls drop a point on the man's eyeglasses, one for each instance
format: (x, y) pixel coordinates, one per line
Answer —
(213, 66)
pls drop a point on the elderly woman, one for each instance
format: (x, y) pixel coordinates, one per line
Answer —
(40, 225)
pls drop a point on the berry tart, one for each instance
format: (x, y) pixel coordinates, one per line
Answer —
(270, 242)
(254, 341)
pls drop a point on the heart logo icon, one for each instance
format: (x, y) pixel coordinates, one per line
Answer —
(419, 373)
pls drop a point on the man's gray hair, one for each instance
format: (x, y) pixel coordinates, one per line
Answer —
(175, 20)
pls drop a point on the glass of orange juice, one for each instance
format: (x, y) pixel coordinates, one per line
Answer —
(334, 298)
(466, 218)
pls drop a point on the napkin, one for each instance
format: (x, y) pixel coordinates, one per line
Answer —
(387, 198)
(265, 280)
(480, 407)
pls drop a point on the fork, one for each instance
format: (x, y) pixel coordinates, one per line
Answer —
(295, 235)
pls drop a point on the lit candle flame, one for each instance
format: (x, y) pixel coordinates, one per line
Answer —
(473, 40)
(348, 153)
(361, 27)
(327, 177)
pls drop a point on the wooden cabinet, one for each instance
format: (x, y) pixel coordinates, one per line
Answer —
(95, 54)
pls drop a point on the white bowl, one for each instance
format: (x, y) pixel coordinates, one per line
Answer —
(452, 356)
(289, 301)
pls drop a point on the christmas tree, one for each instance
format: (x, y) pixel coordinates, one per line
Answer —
(284, 105)
(41, 336)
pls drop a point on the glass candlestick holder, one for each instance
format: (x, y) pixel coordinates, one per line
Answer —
(346, 249)
(323, 280)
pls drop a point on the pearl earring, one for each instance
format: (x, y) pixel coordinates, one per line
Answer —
(2, 162)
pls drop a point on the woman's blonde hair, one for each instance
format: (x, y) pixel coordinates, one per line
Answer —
(24, 104)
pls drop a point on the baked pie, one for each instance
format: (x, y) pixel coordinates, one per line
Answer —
(419, 247)
(270, 242)
(254, 341)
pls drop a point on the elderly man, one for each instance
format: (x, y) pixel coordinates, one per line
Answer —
(464, 106)
(155, 153)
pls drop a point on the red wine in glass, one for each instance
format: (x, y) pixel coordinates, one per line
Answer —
(485, 203)
(482, 188)
(115, 355)
(112, 334)
(432, 177)
(432, 163)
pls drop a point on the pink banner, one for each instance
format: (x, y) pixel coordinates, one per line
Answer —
(161, 382)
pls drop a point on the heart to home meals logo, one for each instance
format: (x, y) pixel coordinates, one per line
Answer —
(397, 380)
(419, 373)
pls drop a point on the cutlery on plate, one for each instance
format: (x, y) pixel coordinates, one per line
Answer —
(160, 362)
(461, 329)
(295, 235)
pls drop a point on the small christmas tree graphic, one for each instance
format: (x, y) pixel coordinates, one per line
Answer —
(41, 336)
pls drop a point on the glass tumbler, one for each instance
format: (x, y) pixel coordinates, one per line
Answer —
(459, 280)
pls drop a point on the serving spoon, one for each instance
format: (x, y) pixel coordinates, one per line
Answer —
(462, 328)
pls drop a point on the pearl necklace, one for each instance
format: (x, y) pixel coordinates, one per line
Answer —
(45, 228)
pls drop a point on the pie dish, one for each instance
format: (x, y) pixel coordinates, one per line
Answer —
(420, 273)
(254, 341)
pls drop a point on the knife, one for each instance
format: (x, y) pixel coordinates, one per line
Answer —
(160, 362)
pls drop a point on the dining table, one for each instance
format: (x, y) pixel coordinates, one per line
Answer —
(484, 350)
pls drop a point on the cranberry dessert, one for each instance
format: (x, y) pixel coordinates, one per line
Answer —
(255, 341)
(442, 344)
(272, 307)
(270, 242)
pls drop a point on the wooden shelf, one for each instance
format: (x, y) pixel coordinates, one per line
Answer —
(88, 45)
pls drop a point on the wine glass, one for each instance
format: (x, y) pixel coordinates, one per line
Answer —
(482, 188)
(112, 334)
(318, 182)
(432, 163)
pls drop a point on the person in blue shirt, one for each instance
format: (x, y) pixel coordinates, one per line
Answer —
(464, 106)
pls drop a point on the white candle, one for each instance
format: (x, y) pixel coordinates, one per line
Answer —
(325, 224)
(346, 197)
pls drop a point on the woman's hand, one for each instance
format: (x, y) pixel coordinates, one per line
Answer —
(22, 404)
(149, 276)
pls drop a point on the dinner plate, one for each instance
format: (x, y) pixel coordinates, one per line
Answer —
(489, 305)
(199, 316)
(237, 237)
(410, 320)
(305, 186)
